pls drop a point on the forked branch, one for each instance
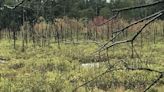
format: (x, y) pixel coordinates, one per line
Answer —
(151, 17)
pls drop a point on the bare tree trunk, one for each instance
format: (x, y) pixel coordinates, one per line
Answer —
(96, 34)
(141, 40)
(132, 43)
(66, 33)
(49, 37)
(10, 34)
(87, 34)
(23, 39)
(77, 32)
(163, 29)
(61, 31)
(154, 36)
(0, 34)
(14, 38)
(33, 37)
(108, 37)
(26, 37)
(58, 38)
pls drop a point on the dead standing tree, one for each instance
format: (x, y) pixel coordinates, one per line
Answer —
(149, 19)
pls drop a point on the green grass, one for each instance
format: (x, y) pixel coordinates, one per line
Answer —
(49, 69)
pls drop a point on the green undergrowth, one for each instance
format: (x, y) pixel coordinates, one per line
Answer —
(50, 69)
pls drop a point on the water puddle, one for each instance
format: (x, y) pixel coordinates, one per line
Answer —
(90, 65)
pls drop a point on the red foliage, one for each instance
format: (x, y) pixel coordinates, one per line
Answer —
(98, 21)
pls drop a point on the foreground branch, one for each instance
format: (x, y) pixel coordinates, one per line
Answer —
(136, 35)
(155, 82)
(102, 74)
(139, 21)
(14, 7)
(155, 16)
(141, 6)
(150, 70)
(144, 69)
(151, 20)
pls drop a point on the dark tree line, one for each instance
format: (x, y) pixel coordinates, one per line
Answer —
(51, 9)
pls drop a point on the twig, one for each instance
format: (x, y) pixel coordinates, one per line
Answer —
(155, 82)
(141, 20)
(144, 69)
(14, 7)
(90, 80)
(154, 18)
(150, 70)
(112, 18)
(136, 7)
(102, 74)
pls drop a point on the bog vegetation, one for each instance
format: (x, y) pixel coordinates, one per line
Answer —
(74, 55)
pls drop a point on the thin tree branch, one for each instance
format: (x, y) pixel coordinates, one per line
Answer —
(102, 74)
(117, 43)
(17, 5)
(136, 7)
(150, 70)
(155, 82)
(144, 69)
(122, 30)
(154, 18)
(135, 36)
(112, 18)
(104, 47)
(141, 20)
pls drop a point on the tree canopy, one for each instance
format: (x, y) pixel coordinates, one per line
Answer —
(51, 9)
